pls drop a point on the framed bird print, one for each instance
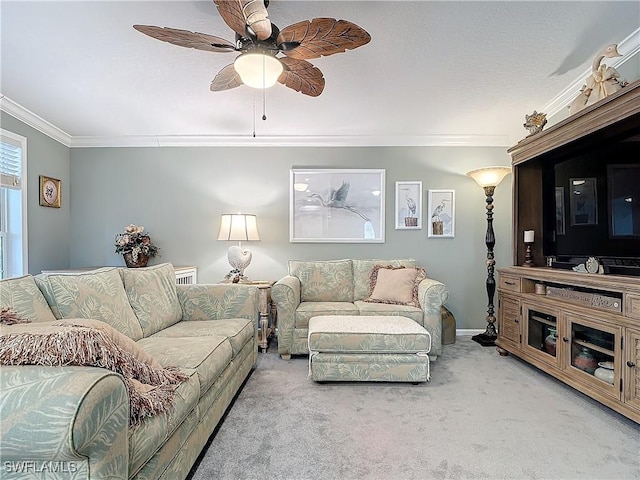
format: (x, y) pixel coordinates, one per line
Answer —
(337, 205)
(441, 213)
(50, 192)
(408, 205)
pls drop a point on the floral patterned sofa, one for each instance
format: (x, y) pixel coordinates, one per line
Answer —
(355, 287)
(75, 421)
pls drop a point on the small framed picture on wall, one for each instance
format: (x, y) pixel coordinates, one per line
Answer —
(50, 192)
(441, 213)
(408, 205)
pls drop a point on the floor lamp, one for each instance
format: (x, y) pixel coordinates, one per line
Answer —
(489, 178)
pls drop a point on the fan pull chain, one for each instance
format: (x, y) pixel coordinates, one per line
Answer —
(264, 90)
(254, 116)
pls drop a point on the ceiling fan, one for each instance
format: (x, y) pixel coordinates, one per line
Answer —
(261, 42)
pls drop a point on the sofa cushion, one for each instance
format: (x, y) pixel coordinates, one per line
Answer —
(395, 285)
(98, 294)
(238, 330)
(209, 355)
(324, 281)
(24, 298)
(147, 438)
(83, 342)
(379, 309)
(306, 310)
(362, 273)
(152, 294)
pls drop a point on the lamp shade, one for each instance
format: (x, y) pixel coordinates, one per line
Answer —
(238, 227)
(258, 70)
(489, 176)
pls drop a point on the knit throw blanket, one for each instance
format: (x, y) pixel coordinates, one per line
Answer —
(80, 342)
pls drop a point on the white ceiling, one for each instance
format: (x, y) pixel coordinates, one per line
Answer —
(435, 72)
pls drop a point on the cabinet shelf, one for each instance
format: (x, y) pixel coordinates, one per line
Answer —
(547, 322)
(593, 346)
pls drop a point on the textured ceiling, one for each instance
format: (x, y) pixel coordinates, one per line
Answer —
(434, 72)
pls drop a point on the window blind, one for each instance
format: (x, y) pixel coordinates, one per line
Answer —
(10, 164)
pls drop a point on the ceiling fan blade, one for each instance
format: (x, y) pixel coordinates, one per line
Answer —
(301, 76)
(226, 79)
(321, 37)
(241, 15)
(185, 38)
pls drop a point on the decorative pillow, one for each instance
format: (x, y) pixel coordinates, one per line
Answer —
(362, 269)
(97, 294)
(60, 343)
(395, 285)
(24, 298)
(152, 294)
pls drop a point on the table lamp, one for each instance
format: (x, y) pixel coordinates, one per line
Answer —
(238, 227)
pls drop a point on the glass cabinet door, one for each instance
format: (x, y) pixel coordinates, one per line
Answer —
(595, 353)
(541, 333)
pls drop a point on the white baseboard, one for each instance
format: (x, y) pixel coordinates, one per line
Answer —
(460, 332)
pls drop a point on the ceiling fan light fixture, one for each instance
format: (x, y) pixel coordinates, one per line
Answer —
(258, 70)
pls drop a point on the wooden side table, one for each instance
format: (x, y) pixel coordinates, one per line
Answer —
(267, 313)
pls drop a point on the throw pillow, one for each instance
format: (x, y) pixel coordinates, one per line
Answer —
(152, 294)
(395, 285)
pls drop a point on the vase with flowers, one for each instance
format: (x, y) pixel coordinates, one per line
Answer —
(135, 246)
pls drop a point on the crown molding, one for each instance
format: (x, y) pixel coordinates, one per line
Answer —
(289, 141)
(28, 117)
(630, 45)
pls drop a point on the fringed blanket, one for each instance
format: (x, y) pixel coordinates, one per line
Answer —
(81, 342)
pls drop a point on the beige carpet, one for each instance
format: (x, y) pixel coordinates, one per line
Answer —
(482, 416)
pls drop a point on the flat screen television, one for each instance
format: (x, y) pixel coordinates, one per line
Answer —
(591, 204)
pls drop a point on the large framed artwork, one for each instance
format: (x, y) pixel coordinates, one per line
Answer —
(441, 213)
(408, 205)
(337, 205)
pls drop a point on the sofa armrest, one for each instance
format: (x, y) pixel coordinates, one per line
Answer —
(286, 295)
(218, 301)
(432, 294)
(70, 420)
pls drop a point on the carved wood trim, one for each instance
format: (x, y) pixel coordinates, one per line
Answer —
(607, 111)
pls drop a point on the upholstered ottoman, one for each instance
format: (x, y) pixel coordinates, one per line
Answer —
(368, 348)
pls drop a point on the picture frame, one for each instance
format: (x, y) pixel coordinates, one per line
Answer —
(441, 213)
(337, 205)
(408, 205)
(50, 192)
(583, 201)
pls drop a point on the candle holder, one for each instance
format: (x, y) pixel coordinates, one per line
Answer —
(528, 256)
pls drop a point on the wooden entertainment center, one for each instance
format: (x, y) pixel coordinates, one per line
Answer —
(582, 328)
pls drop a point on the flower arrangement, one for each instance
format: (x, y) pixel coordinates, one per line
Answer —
(134, 241)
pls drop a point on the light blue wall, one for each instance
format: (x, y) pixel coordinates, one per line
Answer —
(178, 195)
(49, 229)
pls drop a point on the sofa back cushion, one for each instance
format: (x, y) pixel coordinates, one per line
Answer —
(324, 281)
(24, 298)
(152, 294)
(97, 294)
(362, 273)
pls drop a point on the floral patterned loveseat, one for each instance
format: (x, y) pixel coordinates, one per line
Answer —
(74, 421)
(348, 287)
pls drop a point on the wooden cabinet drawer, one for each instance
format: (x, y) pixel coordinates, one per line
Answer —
(508, 282)
(632, 306)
